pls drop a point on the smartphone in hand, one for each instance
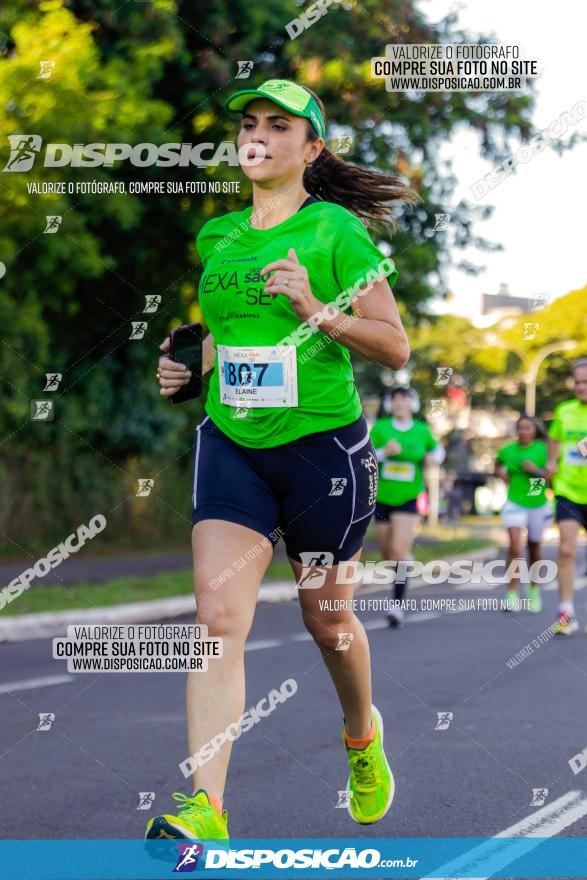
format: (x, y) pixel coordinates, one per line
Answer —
(185, 347)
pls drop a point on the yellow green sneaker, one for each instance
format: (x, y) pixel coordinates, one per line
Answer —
(371, 781)
(197, 820)
(511, 601)
(534, 597)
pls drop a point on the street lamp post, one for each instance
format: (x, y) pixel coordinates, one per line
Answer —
(532, 372)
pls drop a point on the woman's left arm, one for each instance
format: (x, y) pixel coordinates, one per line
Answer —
(375, 331)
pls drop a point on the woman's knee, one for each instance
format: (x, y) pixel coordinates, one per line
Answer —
(215, 612)
(327, 631)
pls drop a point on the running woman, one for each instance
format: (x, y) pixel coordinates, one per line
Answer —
(402, 445)
(283, 449)
(567, 466)
(521, 464)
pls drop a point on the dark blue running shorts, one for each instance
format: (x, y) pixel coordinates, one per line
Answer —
(384, 511)
(317, 492)
(567, 509)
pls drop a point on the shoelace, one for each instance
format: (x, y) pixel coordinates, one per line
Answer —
(364, 768)
(191, 804)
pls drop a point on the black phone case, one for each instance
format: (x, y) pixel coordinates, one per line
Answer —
(193, 389)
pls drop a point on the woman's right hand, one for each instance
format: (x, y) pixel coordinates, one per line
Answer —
(172, 375)
(392, 448)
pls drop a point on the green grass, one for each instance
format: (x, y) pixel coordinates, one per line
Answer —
(86, 596)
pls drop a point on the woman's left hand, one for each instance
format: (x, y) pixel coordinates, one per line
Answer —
(297, 288)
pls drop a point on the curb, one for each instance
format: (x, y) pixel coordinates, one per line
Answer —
(50, 624)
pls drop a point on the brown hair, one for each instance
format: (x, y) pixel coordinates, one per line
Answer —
(366, 193)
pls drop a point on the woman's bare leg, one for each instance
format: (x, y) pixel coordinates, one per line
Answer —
(349, 669)
(216, 697)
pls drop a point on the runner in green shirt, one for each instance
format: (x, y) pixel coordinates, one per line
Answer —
(402, 445)
(290, 285)
(521, 465)
(567, 465)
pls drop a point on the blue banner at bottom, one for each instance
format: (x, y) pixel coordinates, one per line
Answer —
(434, 858)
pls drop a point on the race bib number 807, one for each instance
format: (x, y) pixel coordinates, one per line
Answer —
(261, 375)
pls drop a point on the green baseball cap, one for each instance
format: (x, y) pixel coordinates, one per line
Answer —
(288, 95)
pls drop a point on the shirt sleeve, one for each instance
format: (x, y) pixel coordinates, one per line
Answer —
(431, 441)
(355, 255)
(499, 457)
(378, 443)
(555, 429)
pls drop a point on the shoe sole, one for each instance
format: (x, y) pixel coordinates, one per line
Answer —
(567, 632)
(392, 785)
(170, 831)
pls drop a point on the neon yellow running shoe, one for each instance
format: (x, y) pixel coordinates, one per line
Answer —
(371, 781)
(511, 601)
(534, 599)
(197, 820)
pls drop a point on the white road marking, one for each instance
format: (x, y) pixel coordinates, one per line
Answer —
(495, 856)
(260, 644)
(30, 683)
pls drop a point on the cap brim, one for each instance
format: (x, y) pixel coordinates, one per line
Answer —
(239, 101)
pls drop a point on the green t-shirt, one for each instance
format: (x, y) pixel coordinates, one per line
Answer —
(525, 489)
(401, 477)
(568, 426)
(262, 397)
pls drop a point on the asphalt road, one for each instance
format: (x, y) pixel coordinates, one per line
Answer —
(115, 735)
